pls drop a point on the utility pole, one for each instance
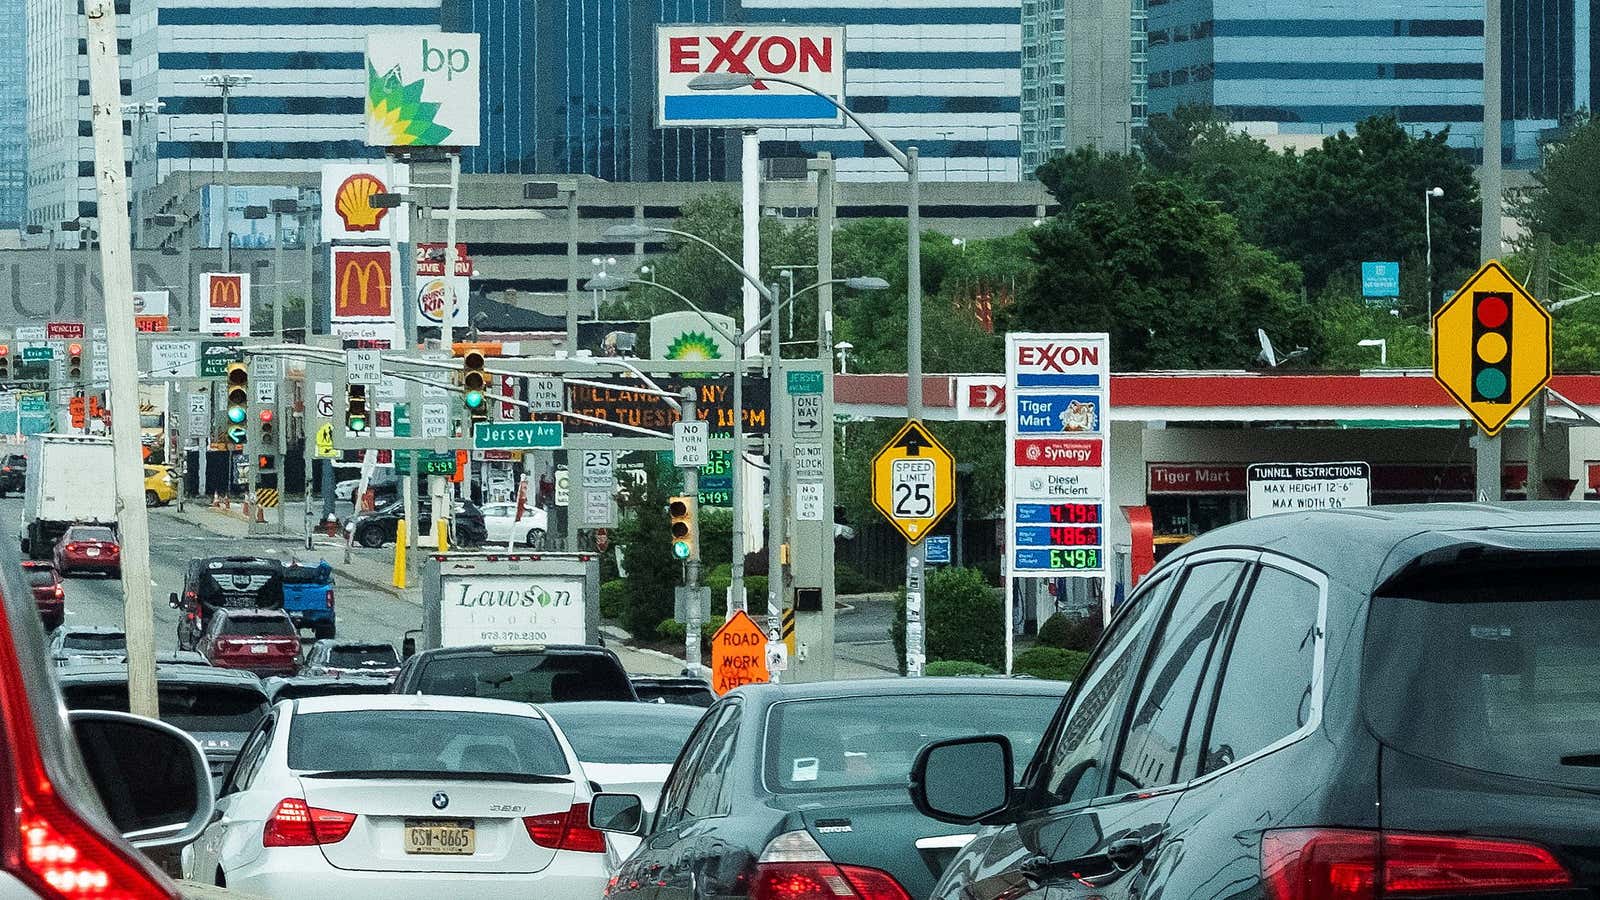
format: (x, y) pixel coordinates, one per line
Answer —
(116, 263)
(280, 452)
(1538, 406)
(1489, 448)
(777, 516)
(691, 577)
(226, 82)
(813, 660)
(444, 499)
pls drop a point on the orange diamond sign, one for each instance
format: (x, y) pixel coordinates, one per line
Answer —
(1491, 347)
(738, 654)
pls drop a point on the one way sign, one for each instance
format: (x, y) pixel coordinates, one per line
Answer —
(807, 417)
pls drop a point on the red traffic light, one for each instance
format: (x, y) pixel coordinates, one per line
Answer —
(5, 350)
(74, 349)
(266, 415)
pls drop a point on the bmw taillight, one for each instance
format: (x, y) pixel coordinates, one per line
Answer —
(1347, 864)
(795, 867)
(295, 824)
(566, 830)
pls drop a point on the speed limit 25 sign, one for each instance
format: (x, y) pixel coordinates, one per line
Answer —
(913, 481)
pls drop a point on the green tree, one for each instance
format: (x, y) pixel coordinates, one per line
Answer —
(1170, 279)
(653, 573)
(1360, 197)
(1087, 175)
(1217, 161)
(1564, 199)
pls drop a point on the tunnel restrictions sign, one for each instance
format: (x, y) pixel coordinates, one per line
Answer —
(1299, 487)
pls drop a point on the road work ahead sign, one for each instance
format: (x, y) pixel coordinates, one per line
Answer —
(812, 55)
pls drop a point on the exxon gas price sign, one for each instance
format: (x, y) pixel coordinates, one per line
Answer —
(812, 55)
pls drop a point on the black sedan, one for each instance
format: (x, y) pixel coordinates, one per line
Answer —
(787, 786)
(379, 527)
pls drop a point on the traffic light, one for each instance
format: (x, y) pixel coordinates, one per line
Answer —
(5, 362)
(1491, 347)
(473, 382)
(269, 435)
(75, 361)
(238, 397)
(355, 408)
(685, 528)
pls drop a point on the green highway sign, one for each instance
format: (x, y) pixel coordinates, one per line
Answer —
(34, 404)
(805, 382)
(215, 356)
(517, 436)
(35, 354)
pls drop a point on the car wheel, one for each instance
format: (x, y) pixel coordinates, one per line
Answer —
(536, 537)
(370, 537)
(151, 499)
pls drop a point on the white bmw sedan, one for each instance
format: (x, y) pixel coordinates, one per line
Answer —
(396, 797)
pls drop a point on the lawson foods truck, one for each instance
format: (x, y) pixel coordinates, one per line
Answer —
(510, 598)
(68, 483)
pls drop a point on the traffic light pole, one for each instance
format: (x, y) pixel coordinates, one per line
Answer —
(691, 578)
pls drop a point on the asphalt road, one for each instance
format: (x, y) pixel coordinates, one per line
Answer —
(363, 613)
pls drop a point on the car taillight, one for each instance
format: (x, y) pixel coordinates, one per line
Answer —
(72, 547)
(794, 867)
(566, 830)
(294, 824)
(330, 598)
(47, 845)
(58, 593)
(1344, 864)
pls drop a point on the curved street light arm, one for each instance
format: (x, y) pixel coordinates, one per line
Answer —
(748, 276)
(895, 153)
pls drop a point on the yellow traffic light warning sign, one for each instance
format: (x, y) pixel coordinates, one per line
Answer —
(914, 481)
(1491, 347)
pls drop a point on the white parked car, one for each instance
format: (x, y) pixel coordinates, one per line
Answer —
(626, 748)
(403, 796)
(504, 526)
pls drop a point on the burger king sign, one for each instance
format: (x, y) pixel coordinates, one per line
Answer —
(431, 300)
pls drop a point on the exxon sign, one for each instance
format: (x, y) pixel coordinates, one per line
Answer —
(1062, 362)
(808, 54)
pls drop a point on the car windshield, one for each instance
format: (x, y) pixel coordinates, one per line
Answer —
(425, 742)
(191, 707)
(871, 742)
(90, 534)
(637, 737)
(95, 641)
(267, 626)
(1501, 675)
(363, 656)
(530, 677)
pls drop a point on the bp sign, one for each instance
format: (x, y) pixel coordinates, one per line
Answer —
(1491, 347)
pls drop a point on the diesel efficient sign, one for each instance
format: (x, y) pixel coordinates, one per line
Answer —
(812, 55)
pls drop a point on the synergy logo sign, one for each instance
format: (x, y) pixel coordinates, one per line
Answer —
(805, 54)
(363, 283)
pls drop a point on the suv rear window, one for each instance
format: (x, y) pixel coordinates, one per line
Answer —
(529, 677)
(1500, 675)
(355, 657)
(425, 742)
(242, 587)
(41, 577)
(95, 641)
(190, 707)
(274, 626)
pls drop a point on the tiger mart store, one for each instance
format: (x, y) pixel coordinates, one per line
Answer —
(1181, 441)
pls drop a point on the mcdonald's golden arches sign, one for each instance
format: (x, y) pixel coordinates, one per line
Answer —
(227, 303)
(363, 283)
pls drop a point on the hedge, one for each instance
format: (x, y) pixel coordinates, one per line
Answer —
(1051, 663)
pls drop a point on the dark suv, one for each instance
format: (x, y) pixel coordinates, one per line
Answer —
(224, 582)
(1387, 702)
(13, 473)
(530, 673)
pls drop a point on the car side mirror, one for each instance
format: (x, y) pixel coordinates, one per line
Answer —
(617, 813)
(152, 778)
(172, 600)
(408, 647)
(963, 781)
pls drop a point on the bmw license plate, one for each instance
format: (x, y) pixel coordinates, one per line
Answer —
(446, 837)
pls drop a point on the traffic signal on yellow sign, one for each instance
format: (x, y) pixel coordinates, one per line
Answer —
(473, 382)
(75, 361)
(355, 408)
(685, 529)
(1491, 347)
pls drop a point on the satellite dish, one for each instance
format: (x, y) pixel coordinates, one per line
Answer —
(1268, 356)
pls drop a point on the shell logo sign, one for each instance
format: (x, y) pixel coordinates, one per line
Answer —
(347, 210)
(363, 281)
(352, 206)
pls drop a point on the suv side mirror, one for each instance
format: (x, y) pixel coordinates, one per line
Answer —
(408, 647)
(152, 778)
(616, 813)
(963, 781)
(172, 600)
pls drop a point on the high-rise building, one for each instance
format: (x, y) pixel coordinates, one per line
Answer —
(13, 119)
(1297, 70)
(571, 90)
(942, 76)
(1082, 76)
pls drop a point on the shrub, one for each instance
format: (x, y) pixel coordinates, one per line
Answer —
(956, 667)
(1052, 663)
(613, 599)
(897, 629)
(755, 588)
(847, 579)
(1070, 632)
(965, 618)
(670, 630)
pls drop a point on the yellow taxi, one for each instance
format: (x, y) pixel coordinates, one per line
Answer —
(159, 486)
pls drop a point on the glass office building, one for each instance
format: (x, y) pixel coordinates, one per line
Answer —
(569, 89)
(13, 120)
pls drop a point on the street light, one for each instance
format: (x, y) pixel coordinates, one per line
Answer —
(226, 82)
(616, 283)
(907, 160)
(1383, 348)
(1428, 196)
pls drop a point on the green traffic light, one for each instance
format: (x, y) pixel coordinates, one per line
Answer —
(680, 549)
(357, 423)
(236, 415)
(237, 435)
(474, 399)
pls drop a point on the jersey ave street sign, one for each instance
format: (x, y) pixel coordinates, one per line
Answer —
(913, 481)
(1491, 347)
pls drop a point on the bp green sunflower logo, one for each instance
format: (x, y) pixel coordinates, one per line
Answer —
(693, 345)
(399, 112)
